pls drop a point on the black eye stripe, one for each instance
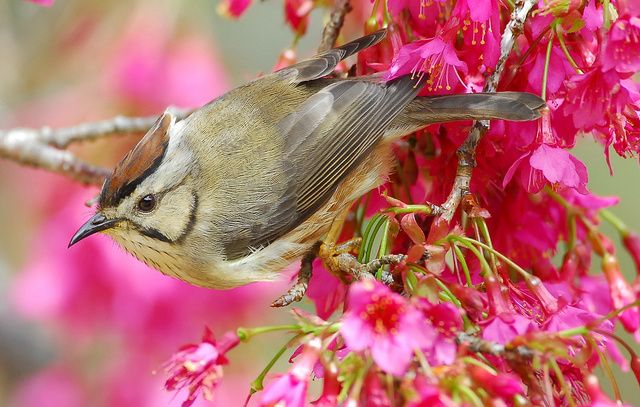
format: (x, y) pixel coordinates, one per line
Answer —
(155, 234)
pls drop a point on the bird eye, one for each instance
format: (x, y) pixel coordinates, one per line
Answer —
(147, 203)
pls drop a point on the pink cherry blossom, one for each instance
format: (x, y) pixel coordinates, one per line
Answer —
(386, 324)
(326, 291)
(593, 16)
(478, 21)
(198, 367)
(447, 321)
(549, 165)
(596, 98)
(621, 50)
(621, 293)
(436, 59)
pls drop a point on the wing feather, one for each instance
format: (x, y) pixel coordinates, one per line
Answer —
(325, 139)
(324, 63)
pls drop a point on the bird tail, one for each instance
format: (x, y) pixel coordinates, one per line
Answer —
(422, 111)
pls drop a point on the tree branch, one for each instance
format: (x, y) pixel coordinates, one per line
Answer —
(334, 25)
(478, 345)
(467, 151)
(45, 148)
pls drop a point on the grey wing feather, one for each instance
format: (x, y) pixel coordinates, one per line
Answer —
(325, 139)
(323, 64)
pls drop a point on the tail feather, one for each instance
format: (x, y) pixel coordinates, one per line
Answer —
(422, 111)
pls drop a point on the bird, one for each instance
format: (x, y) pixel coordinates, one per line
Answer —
(252, 181)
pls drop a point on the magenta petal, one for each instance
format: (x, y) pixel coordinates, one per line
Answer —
(390, 357)
(512, 170)
(560, 167)
(355, 332)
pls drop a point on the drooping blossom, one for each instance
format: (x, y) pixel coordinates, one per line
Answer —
(596, 97)
(479, 22)
(198, 367)
(233, 8)
(326, 291)
(290, 389)
(623, 42)
(296, 13)
(446, 319)
(330, 387)
(384, 323)
(504, 323)
(503, 386)
(424, 16)
(621, 293)
(435, 59)
(549, 165)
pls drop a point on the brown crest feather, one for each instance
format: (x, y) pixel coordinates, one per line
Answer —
(138, 164)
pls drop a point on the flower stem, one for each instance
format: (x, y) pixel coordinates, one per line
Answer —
(565, 50)
(470, 395)
(573, 231)
(547, 60)
(614, 313)
(463, 264)
(476, 362)
(615, 221)
(487, 238)
(579, 330)
(257, 384)
(245, 334)
(606, 367)
(526, 275)
(369, 237)
(607, 14)
(426, 209)
(466, 242)
(563, 383)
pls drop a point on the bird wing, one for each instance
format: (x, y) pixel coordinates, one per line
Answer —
(324, 63)
(324, 140)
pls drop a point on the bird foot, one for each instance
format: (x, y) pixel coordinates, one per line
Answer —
(299, 288)
(341, 261)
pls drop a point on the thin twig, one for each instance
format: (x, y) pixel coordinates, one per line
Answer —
(45, 147)
(467, 151)
(478, 345)
(334, 25)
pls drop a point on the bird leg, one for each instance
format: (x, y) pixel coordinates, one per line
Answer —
(319, 249)
(340, 261)
(297, 291)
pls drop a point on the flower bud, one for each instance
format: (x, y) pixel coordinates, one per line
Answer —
(621, 292)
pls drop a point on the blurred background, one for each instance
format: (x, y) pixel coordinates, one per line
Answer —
(91, 326)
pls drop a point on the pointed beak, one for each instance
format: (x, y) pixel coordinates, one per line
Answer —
(97, 223)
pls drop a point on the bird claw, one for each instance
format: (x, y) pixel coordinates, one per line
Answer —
(340, 261)
(298, 290)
